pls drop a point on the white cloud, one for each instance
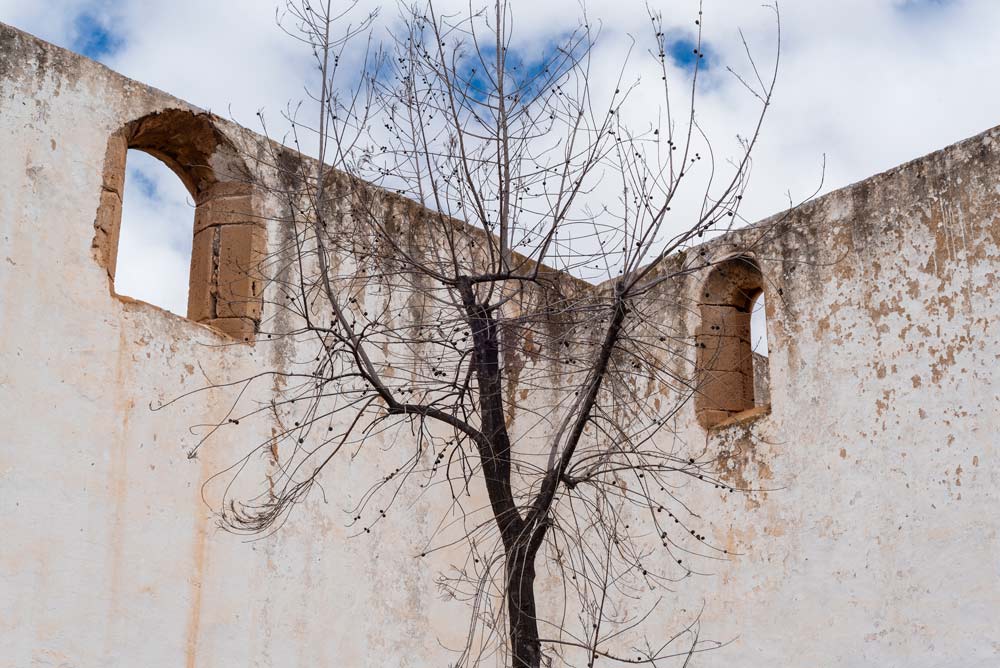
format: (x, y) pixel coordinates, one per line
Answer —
(867, 83)
(154, 249)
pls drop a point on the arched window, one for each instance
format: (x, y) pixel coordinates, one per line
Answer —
(227, 236)
(726, 368)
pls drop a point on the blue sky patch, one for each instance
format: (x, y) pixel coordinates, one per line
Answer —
(923, 4)
(526, 76)
(922, 7)
(684, 52)
(144, 182)
(93, 37)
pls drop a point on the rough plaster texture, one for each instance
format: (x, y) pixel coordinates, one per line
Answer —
(876, 543)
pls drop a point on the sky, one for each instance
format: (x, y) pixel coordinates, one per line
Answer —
(863, 85)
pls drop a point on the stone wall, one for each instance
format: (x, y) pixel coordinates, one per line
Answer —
(872, 538)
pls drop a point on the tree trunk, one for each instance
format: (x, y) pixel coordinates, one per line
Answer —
(526, 650)
(520, 541)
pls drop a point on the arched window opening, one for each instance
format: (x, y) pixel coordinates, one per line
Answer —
(727, 365)
(154, 245)
(225, 243)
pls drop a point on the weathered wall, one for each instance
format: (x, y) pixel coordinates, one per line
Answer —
(879, 544)
(875, 544)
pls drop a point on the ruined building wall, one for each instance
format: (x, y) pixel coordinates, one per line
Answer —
(873, 541)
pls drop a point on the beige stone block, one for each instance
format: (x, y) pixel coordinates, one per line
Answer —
(724, 321)
(225, 189)
(107, 227)
(204, 273)
(224, 211)
(734, 283)
(240, 255)
(724, 390)
(724, 353)
(114, 164)
(709, 418)
(241, 329)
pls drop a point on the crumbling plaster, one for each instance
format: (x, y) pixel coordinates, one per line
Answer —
(872, 539)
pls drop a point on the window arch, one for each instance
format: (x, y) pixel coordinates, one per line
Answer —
(725, 356)
(228, 238)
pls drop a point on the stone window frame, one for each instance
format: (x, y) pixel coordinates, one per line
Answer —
(224, 290)
(725, 360)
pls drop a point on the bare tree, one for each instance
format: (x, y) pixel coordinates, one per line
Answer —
(477, 261)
